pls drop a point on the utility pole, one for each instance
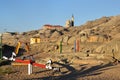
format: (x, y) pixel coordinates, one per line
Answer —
(0, 46)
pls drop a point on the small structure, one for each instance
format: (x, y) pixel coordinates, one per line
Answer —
(19, 43)
(70, 23)
(37, 40)
(97, 38)
(48, 26)
(10, 33)
(34, 40)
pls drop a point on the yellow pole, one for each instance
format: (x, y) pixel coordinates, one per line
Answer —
(17, 47)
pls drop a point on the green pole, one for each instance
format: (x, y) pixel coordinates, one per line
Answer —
(0, 46)
(60, 46)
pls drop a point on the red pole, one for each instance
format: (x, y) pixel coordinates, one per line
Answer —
(39, 65)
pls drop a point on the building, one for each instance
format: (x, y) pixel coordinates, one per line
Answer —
(38, 40)
(47, 26)
(34, 40)
(70, 23)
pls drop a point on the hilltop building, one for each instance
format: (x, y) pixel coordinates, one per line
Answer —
(47, 26)
(70, 23)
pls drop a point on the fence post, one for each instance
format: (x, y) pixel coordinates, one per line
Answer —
(29, 68)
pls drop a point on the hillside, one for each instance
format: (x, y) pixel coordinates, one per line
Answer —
(100, 31)
(97, 42)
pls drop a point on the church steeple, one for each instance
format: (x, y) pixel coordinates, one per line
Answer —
(70, 23)
(72, 20)
(72, 17)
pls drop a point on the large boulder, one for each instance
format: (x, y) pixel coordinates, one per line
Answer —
(55, 34)
(99, 49)
(48, 33)
(111, 49)
(83, 39)
(65, 39)
(71, 40)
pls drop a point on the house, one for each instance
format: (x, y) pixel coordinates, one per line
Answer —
(47, 26)
(37, 40)
(34, 40)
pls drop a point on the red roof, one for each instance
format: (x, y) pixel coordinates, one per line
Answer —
(52, 26)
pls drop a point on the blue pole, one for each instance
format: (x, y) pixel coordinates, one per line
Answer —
(75, 46)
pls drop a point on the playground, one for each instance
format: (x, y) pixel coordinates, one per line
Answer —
(67, 71)
(66, 65)
(61, 62)
(75, 53)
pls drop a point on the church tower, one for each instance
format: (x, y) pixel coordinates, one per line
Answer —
(72, 21)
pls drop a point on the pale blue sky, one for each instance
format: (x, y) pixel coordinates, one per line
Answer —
(26, 15)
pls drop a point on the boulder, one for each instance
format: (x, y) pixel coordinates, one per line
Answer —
(65, 39)
(71, 40)
(83, 39)
(99, 49)
(111, 49)
(55, 34)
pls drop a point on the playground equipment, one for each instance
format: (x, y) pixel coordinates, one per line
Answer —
(28, 60)
(31, 63)
(18, 47)
(76, 46)
(11, 58)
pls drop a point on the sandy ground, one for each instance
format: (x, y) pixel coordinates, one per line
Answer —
(68, 72)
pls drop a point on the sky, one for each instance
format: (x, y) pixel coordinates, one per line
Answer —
(27, 15)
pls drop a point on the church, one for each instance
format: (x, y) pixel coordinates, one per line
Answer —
(70, 23)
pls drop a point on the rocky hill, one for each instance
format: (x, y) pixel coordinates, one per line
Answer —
(100, 36)
(80, 52)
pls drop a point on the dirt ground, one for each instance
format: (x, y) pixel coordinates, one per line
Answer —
(101, 71)
(103, 39)
(81, 72)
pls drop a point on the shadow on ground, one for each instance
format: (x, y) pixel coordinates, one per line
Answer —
(75, 74)
(7, 51)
